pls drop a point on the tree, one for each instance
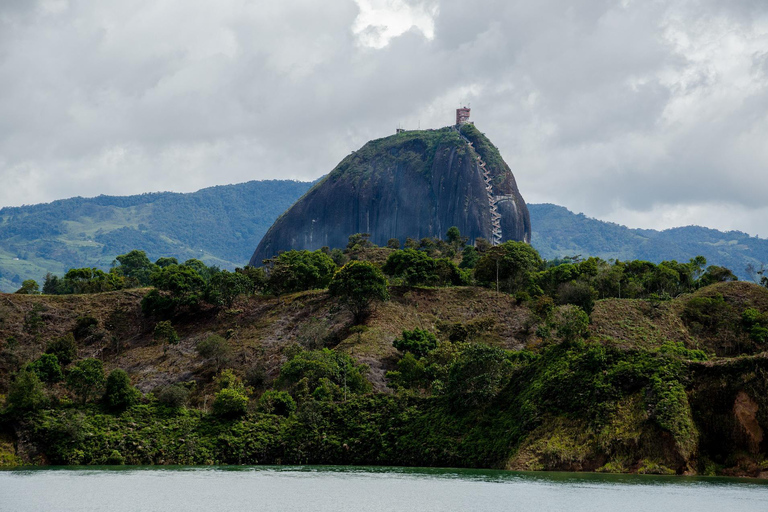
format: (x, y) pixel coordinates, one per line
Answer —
(716, 274)
(294, 271)
(469, 257)
(414, 267)
(225, 287)
(393, 243)
(578, 293)
(53, 285)
(511, 266)
(257, 277)
(29, 287)
(165, 262)
(358, 286)
(26, 392)
(359, 241)
(183, 287)
(135, 266)
(86, 378)
(92, 280)
(453, 236)
(119, 393)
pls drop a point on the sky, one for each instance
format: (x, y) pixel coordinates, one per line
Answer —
(648, 113)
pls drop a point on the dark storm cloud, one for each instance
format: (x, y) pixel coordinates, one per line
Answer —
(642, 112)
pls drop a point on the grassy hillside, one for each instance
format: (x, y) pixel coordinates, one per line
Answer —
(633, 396)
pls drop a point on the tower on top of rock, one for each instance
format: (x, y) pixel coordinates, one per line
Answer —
(462, 115)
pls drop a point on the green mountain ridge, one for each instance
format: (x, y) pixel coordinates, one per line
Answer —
(222, 225)
(558, 232)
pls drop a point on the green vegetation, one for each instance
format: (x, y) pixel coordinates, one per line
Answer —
(572, 364)
(119, 394)
(418, 342)
(359, 285)
(86, 378)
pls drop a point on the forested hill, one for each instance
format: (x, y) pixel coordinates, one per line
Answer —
(222, 225)
(219, 225)
(559, 232)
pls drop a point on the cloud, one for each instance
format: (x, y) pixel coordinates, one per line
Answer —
(636, 112)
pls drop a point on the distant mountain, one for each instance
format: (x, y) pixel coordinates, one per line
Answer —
(559, 232)
(221, 225)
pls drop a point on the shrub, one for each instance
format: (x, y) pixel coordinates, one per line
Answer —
(26, 393)
(230, 403)
(64, 348)
(679, 349)
(29, 287)
(478, 375)
(119, 393)
(411, 373)
(417, 341)
(577, 293)
(115, 458)
(84, 326)
(216, 348)
(277, 402)
(86, 378)
(165, 333)
(173, 396)
(758, 334)
(315, 365)
(228, 379)
(256, 376)
(47, 367)
(572, 323)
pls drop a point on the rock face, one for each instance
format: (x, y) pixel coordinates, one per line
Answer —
(414, 184)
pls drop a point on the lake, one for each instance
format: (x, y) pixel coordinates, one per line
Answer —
(341, 489)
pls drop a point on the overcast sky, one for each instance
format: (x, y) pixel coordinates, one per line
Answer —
(647, 113)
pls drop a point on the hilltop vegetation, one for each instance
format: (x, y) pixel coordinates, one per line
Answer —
(221, 225)
(552, 371)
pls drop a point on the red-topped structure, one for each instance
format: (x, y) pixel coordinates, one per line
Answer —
(462, 115)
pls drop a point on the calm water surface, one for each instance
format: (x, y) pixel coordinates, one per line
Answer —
(321, 489)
